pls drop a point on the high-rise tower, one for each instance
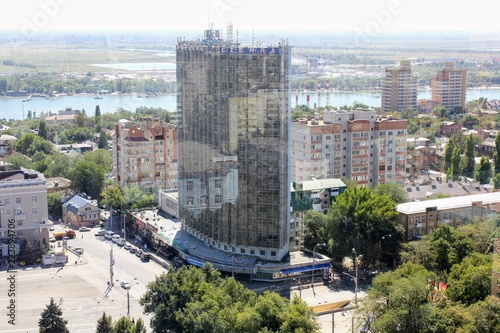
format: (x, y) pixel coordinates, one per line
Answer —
(399, 88)
(449, 87)
(233, 132)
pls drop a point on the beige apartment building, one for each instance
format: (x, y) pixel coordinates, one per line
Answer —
(23, 210)
(399, 88)
(357, 145)
(145, 154)
(420, 218)
(449, 87)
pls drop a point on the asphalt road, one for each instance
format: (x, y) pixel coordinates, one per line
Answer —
(82, 289)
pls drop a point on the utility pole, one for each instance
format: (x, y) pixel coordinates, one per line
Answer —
(111, 263)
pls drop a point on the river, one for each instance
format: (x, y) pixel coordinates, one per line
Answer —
(15, 108)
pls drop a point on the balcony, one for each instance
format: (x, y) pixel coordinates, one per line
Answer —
(20, 216)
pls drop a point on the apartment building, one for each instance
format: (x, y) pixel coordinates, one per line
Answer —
(23, 210)
(420, 218)
(449, 87)
(357, 145)
(317, 195)
(145, 154)
(399, 88)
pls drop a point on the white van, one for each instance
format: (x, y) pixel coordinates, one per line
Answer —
(108, 234)
(115, 238)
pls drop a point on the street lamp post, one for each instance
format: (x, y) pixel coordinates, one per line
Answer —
(356, 278)
(380, 249)
(314, 257)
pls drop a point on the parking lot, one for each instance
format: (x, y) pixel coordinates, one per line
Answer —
(81, 285)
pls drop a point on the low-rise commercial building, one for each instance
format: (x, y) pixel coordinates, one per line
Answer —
(79, 211)
(423, 217)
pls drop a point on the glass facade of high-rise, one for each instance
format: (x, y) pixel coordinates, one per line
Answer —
(233, 151)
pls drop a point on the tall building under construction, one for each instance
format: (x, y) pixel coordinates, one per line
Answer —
(233, 152)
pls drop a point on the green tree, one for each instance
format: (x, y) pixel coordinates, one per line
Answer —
(16, 161)
(455, 164)
(97, 111)
(54, 203)
(139, 326)
(398, 301)
(80, 120)
(484, 172)
(418, 252)
(468, 161)
(87, 177)
(448, 153)
(395, 191)
(470, 280)
(123, 325)
(112, 197)
(51, 320)
(198, 300)
(496, 181)
(358, 220)
(103, 140)
(135, 198)
(58, 166)
(100, 157)
(105, 324)
(42, 129)
(449, 247)
(496, 154)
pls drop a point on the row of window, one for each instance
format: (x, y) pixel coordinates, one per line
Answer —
(34, 198)
(20, 211)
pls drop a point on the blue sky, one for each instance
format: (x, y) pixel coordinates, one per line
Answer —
(321, 15)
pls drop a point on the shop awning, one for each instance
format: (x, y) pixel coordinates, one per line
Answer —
(305, 268)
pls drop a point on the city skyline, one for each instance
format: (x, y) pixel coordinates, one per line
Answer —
(369, 17)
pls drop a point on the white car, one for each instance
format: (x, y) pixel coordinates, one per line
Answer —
(84, 229)
(52, 239)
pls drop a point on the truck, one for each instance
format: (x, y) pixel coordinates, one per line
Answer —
(59, 235)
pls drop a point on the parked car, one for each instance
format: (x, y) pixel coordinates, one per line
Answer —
(79, 250)
(82, 229)
(132, 250)
(138, 253)
(52, 239)
(100, 233)
(145, 256)
(127, 246)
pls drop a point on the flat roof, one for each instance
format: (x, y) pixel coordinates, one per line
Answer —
(170, 231)
(448, 203)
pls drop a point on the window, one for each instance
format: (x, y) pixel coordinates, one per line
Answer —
(7, 201)
(34, 198)
(36, 231)
(273, 253)
(18, 200)
(190, 201)
(34, 210)
(189, 185)
(218, 183)
(20, 233)
(218, 199)
(19, 222)
(262, 252)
